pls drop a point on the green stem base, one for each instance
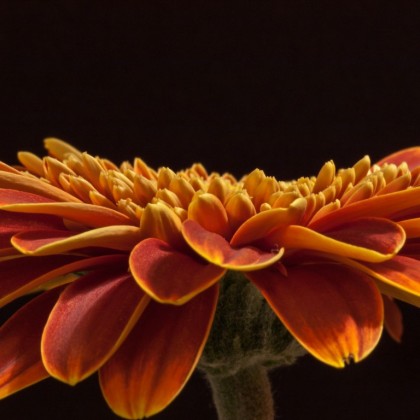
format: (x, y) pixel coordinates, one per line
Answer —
(245, 395)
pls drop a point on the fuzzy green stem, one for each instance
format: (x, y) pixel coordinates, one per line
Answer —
(245, 395)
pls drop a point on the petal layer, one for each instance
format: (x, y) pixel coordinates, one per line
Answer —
(170, 276)
(20, 356)
(215, 249)
(391, 205)
(120, 237)
(334, 312)
(158, 357)
(91, 319)
(263, 223)
(371, 239)
(411, 156)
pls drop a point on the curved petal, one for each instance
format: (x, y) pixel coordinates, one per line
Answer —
(26, 274)
(13, 223)
(31, 184)
(10, 196)
(399, 277)
(393, 319)
(387, 205)
(372, 240)
(215, 249)
(170, 276)
(411, 227)
(158, 357)
(263, 223)
(20, 335)
(88, 214)
(89, 322)
(119, 237)
(410, 155)
(334, 312)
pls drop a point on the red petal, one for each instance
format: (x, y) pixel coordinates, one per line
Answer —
(12, 223)
(369, 239)
(20, 337)
(91, 319)
(393, 319)
(334, 312)
(215, 249)
(158, 357)
(168, 275)
(119, 237)
(410, 155)
(9, 196)
(399, 277)
(25, 274)
(88, 214)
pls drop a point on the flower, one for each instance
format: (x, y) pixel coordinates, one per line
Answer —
(125, 263)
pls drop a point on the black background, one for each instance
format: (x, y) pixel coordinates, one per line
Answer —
(283, 86)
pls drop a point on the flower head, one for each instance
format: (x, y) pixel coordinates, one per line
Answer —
(126, 261)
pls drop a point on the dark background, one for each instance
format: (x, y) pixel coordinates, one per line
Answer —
(283, 86)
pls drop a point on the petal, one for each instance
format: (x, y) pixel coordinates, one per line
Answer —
(393, 319)
(334, 312)
(26, 274)
(20, 336)
(399, 277)
(215, 249)
(121, 237)
(411, 227)
(89, 322)
(372, 240)
(87, 214)
(158, 357)
(207, 210)
(263, 223)
(410, 155)
(12, 223)
(170, 276)
(391, 205)
(31, 184)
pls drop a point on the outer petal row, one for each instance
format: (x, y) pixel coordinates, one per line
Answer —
(334, 312)
(158, 357)
(170, 276)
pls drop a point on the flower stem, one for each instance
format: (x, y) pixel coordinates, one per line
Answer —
(245, 395)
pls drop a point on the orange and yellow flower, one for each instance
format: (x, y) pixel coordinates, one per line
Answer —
(124, 263)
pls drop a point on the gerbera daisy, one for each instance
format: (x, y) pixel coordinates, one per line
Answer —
(125, 262)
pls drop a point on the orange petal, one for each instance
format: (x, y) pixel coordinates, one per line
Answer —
(121, 238)
(393, 319)
(334, 312)
(372, 240)
(168, 275)
(88, 214)
(31, 184)
(410, 155)
(89, 322)
(209, 212)
(20, 336)
(215, 249)
(263, 223)
(399, 277)
(26, 274)
(391, 205)
(411, 227)
(158, 357)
